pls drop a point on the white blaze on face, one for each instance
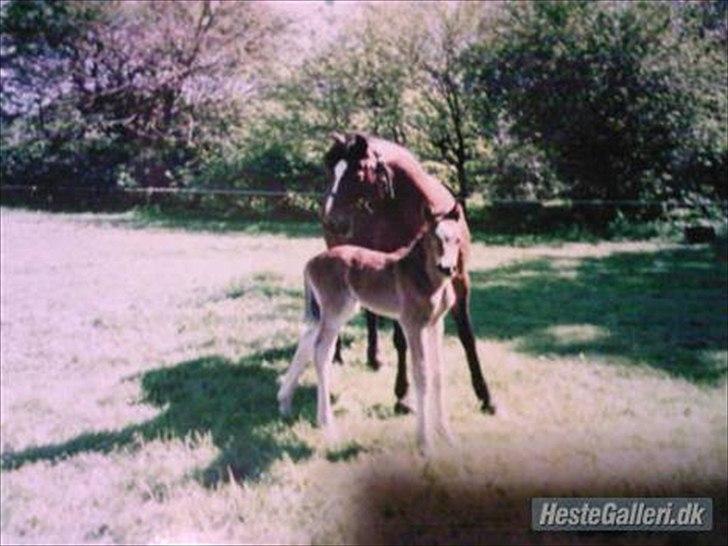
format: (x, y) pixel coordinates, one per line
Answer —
(446, 231)
(339, 171)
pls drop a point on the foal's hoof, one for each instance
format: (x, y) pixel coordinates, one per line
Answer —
(285, 413)
(488, 408)
(400, 408)
(374, 364)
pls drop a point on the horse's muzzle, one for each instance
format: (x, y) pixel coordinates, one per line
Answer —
(338, 226)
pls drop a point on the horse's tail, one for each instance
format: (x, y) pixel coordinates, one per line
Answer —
(312, 310)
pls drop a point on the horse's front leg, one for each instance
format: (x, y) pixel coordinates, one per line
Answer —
(461, 313)
(372, 341)
(323, 355)
(401, 385)
(442, 425)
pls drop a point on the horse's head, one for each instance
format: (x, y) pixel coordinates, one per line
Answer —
(444, 240)
(359, 181)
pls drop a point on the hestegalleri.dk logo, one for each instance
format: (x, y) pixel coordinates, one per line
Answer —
(621, 514)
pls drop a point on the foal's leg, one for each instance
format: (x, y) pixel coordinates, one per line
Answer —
(461, 314)
(304, 354)
(417, 342)
(441, 417)
(323, 353)
(337, 353)
(372, 341)
(400, 385)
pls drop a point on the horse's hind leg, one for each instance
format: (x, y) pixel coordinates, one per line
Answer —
(372, 341)
(461, 314)
(304, 354)
(401, 385)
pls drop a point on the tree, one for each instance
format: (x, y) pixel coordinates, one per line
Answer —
(139, 86)
(393, 70)
(445, 115)
(610, 91)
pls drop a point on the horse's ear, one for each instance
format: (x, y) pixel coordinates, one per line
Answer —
(338, 138)
(454, 213)
(359, 145)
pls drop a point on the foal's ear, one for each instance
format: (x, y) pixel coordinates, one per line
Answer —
(359, 145)
(430, 217)
(454, 213)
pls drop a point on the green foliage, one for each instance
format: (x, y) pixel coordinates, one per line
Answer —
(529, 100)
(36, 25)
(611, 92)
(517, 169)
(57, 162)
(136, 94)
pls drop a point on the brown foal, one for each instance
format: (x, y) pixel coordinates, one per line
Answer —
(412, 285)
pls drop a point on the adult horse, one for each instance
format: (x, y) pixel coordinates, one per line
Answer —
(379, 198)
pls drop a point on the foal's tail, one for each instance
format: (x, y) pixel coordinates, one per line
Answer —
(312, 312)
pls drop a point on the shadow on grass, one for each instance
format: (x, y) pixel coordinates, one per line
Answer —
(666, 309)
(234, 402)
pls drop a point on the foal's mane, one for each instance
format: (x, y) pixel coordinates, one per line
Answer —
(429, 225)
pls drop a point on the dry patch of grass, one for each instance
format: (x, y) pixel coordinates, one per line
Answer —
(139, 374)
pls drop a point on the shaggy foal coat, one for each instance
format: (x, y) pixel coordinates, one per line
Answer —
(412, 286)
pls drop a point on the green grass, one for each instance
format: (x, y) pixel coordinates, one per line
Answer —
(665, 309)
(233, 402)
(140, 366)
(226, 221)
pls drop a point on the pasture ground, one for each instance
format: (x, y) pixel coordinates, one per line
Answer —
(139, 370)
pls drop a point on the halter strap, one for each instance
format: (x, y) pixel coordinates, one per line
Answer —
(383, 180)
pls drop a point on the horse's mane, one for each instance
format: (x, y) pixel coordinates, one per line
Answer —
(404, 164)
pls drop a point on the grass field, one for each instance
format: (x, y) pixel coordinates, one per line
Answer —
(139, 369)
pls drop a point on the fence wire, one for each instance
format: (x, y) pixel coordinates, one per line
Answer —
(262, 193)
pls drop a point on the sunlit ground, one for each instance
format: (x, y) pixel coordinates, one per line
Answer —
(139, 370)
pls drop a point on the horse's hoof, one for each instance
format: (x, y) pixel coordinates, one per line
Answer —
(488, 408)
(400, 408)
(424, 449)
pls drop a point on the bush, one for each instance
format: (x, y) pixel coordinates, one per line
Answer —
(516, 169)
(615, 94)
(137, 92)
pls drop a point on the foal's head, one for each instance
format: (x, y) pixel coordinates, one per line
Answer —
(358, 179)
(443, 241)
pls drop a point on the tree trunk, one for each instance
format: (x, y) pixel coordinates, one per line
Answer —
(463, 185)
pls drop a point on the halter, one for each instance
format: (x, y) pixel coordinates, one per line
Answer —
(384, 182)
